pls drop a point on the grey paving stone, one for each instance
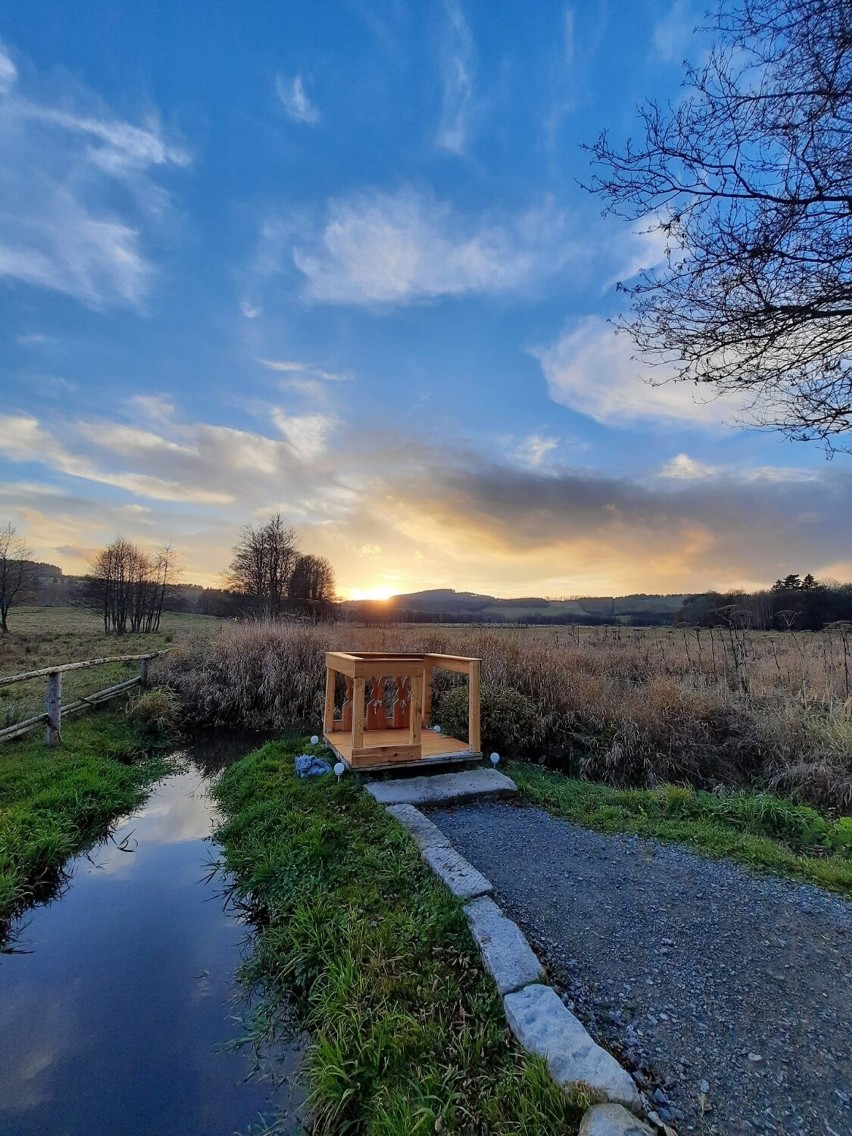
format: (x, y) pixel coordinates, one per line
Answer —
(612, 1120)
(443, 788)
(460, 877)
(425, 834)
(507, 955)
(545, 1027)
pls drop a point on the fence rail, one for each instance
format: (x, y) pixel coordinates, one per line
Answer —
(53, 709)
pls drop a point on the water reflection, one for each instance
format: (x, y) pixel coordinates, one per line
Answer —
(117, 1019)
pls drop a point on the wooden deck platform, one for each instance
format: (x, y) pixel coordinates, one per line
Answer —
(389, 749)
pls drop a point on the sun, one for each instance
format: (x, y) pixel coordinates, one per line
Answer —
(381, 593)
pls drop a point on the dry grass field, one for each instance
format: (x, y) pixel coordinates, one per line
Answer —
(628, 707)
(40, 637)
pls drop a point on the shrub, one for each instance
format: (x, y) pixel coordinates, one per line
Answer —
(156, 713)
(509, 719)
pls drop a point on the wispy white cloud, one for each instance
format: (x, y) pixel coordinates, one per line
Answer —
(397, 248)
(457, 64)
(533, 449)
(78, 192)
(292, 366)
(592, 370)
(674, 32)
(295, 101)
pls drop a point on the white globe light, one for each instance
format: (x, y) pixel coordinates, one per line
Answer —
(437, 729)
(495, 757)
(314, 740)
(340, 768)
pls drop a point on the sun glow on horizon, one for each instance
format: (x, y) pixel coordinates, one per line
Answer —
(378, 593)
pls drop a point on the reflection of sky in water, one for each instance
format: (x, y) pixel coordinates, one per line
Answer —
(115, 1023)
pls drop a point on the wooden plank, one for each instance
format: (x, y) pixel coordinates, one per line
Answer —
(458, 663)
(358, 697)
(427, 693)
(328, 715)
(386, 668)
(343, 664)
(387, 755)
(63, 667)
(473, 705)
(22, 727)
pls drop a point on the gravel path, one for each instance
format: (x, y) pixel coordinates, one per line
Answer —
(729, 995)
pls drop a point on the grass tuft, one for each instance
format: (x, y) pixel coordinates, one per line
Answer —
(757, 829)
(360, 946)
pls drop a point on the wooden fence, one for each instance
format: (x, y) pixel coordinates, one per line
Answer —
(53, 708)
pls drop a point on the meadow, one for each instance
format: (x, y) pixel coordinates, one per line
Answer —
(629, 707)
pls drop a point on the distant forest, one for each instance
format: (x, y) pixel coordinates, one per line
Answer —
(798, 603)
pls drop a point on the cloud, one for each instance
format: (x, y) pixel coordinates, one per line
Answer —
(295, 101)
(590, 369)
(674, 33)
(290, 367)
(397, 248)
(8, 71)
(79, 194)
(534, 449)
(457, 64)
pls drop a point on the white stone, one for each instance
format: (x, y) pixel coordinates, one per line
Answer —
(424, 833)
(612, 1120)
(442, 788)
(546, 1028)
(460, 877)
(507, 955)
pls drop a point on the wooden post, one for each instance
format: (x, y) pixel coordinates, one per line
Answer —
(416, 722)
(358, 694)
(54, 708)
(473, 712)
(143, 674)
(328, 716)
(427, 694)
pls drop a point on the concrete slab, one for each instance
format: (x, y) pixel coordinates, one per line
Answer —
(545, 1027)
(507, 955)
(425, 834)
(443, 788)
(612, 1120)
(460, 877)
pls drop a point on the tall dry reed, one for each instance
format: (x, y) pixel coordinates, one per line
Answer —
(628, 706)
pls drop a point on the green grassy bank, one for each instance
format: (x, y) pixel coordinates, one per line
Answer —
(361, 946)
(54, 802)
(758, 829)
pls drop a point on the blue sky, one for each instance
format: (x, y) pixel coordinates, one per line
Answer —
(334, 260)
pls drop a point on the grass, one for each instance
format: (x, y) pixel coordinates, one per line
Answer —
(758, 829)
(56, 802)
(360, 946)
(41, 637)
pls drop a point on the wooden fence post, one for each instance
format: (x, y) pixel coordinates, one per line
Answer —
(143, 674)
(54, 708)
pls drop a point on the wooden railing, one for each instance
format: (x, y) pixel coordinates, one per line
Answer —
(53, 708)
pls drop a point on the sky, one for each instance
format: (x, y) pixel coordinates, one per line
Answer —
(335, 261)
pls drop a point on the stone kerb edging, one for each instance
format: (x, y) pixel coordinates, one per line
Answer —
(535, 1012)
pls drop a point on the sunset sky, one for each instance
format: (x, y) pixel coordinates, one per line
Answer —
(333, 260)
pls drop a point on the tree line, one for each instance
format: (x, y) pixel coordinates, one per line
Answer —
(793, 603)
(269, 577)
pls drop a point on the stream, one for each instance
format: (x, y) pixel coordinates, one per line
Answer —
(118, 1002)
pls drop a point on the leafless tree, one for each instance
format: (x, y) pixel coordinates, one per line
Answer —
(15, 571)
(130, 586)
(262, 566)
(312, 584)
(749, 179)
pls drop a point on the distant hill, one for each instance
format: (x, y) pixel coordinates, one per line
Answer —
(445, 605)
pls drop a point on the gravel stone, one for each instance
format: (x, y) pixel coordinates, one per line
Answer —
(424, 833)
(544, 1027)
(753, 964)
(442, 788)
(460, 877)
(507, 955)
(612, 1120)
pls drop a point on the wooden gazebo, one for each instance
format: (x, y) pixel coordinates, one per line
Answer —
(385, 717)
